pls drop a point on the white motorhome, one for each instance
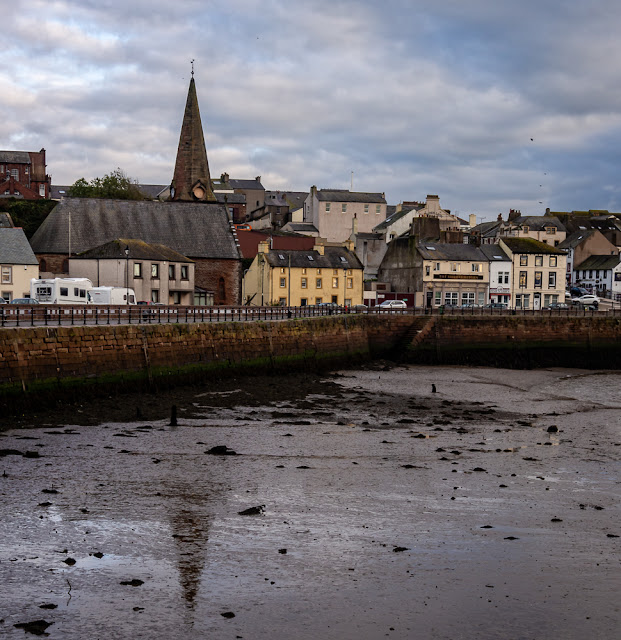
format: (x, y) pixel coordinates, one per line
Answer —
(61, 290)
(113, 295)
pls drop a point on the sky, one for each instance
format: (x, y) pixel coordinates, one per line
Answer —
(492, 105)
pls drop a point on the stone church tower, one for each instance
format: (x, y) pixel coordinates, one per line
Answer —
(191, 181)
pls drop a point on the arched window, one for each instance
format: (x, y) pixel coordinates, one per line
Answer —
(42, 265)
(65, 265)
(221, 291)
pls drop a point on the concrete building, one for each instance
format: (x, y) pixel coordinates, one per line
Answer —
(155, 272)
(332, 212)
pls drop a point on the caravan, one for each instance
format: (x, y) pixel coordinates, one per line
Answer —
(113, 295)
(61, 290)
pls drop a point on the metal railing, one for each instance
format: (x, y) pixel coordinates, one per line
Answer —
(93, 315)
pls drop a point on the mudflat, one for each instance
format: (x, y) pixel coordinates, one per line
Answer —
(389, 501)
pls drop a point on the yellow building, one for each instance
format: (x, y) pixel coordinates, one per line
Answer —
(298, 278)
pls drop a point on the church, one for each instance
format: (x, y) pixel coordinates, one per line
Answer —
(191, 223)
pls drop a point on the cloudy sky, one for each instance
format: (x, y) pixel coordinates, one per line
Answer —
(491, 104)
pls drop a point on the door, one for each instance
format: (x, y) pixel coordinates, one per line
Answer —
(537, 301)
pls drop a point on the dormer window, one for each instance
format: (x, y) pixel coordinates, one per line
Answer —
(310, 258)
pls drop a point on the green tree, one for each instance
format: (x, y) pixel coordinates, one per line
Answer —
(115, 185)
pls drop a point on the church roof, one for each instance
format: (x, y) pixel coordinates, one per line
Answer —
(191, 180)
(193, 229)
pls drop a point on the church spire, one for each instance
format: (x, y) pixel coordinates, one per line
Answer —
(191, 181)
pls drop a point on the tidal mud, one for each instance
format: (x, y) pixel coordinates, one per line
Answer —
(362, 504)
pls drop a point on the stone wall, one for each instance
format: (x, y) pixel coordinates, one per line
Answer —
(42, 358)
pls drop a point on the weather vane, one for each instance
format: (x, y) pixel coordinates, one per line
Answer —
(192, 63)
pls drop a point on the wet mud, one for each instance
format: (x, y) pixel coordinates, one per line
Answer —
(390, 501)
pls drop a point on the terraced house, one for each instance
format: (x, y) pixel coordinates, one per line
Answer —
(538, 272)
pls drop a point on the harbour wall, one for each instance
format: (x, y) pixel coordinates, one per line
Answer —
(75, 359)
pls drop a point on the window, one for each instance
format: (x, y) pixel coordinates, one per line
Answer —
(378, 208)
(303, 283)
(335, 272)
(221, 287)
(318, 283)
(523, 279)
(155, 271)
(552, 280)
(184, 272)
(303, 302)
(328, 206)
(310, 258)
(436, 266)
(303, 272)
(451, 297)
(42, 190)
(506, 279)
(467, 297)
(171, 271)
(15, 173)
(477, 266)
(76, 291)
(523, 261)
(438, 297)
(176, 297)
(538, 279)
(64, 291)
(427, 270)
(350, 283)
(455, 266)
(318, 272)
(538, 261)
(553, 261)
(155, 295)
(7, 275)
(366, 208)
(283, 270)
(137, 269)
(283, 283)
(335, 283)
(550, 230)
(343, 208)
(526, 229)
(318, 300)
(282, 302)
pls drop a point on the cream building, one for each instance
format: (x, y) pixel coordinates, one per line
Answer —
(538, 272)
(299, 278)
(18, 264)
(332, 212)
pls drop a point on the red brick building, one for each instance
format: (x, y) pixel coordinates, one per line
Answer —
(22, 175)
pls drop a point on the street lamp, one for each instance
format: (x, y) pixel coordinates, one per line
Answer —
(344, 286)
(127, 274)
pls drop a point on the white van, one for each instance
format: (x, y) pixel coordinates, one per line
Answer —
(113, 295)
(61, 290)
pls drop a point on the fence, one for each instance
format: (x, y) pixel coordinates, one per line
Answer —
(43, 315)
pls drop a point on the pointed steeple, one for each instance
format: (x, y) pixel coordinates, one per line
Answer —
(191, 181)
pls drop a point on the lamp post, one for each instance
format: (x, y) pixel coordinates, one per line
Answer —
(126, 274)
(344, 287)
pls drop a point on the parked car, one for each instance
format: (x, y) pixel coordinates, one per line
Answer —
(393, 304)
(359, 308)
(587, 300)
(470, 305)
(24, 301)
(496, 305)
(576, 292)
(556, 305)
(330, 307)
(3, 301)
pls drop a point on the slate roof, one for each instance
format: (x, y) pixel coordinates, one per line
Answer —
(302, 227)
(494, 253)
(295, 199)
(230, 198)
(599, 262)
(246, 184)
(485, 229)
(6, 220)
(384, 224)
(138, 250)
(529, 245)
(576, 238)
(450, 251)
(197, 230)
(343, 195)
(14, 247)
(538, 223)
(14, 157)
(333, 258)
